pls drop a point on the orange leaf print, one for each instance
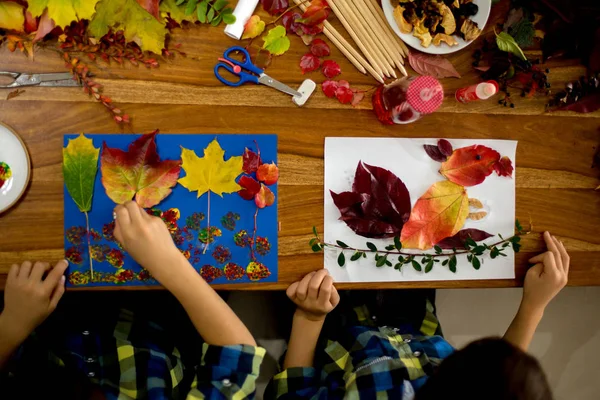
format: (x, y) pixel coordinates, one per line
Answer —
(469, 166)
(440, 213)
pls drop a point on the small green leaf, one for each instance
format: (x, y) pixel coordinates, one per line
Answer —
(470, 242)
(516, 247)
(452, 268)
(516, 239)
(397, 243)
(228, 18)
(476, 263)
(390, 247)
(219, 4)
(364, 255)
(316, 248)
(355, 256)
(341, 244)
(312, 241)
(505, 244)
(388, 263)
(470, 257)
(210, 14)
(424, 260)
(400, 259)
(507, 43)
(201, 11)
(494, 253)
(179, 2)
(518, 226)
(398, 266)
(438, 249)
(445, 262)
(341, 259)
(371, 246)
(190, 7)
(429, 266)
(452, 264)
(315, 231)
(216, 20)
(416, 265)
(380, 262)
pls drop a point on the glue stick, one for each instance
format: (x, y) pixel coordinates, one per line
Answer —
(481, 91)
(243, 11)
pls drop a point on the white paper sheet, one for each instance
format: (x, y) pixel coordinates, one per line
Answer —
(407, 159)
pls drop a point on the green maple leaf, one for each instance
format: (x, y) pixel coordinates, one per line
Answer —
(63, 12)
(80, 165)
(177, 13)
(276, 41)
(138, 25)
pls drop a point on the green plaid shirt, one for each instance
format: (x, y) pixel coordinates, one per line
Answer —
(136, 361)
(367, 360)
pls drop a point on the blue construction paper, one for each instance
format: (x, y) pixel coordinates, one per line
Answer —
(169, 147)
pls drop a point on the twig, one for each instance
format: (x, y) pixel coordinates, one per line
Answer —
(208, 228)
(87, 226)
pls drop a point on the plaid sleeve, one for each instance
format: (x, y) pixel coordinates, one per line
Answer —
(227, 372)
(297, 382)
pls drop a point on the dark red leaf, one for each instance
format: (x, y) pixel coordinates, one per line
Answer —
(445, 147)
(310, 30)
(329, 88)
(504, 167)
(319, 48)
(434, 152)
(260, 57)
(275, 7)
(458, 241)
(250, 187)
(344, 94)
(587, 104)
(309, 62)
(289, 21)
(331, 69)
(251, 161)
(315, 13)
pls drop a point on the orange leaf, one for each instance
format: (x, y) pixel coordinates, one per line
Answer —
(268, 173)
(469, 166)
(440, 213)
(264, 197)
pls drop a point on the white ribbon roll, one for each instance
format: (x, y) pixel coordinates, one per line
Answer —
(243, 11)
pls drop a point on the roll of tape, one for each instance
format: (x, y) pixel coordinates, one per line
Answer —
(243, 11)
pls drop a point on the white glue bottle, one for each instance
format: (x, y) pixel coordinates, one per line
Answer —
(243, 11)
(481, 91)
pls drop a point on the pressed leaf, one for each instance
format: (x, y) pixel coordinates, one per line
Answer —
(264, 197)
(268, 173)
(80, 165)
(250, 187)
(251, 161)
(445, 147)
(309, 62)
(438, 214)
(434, 153)
(452, 264)
(371, 246)
(476, 263)
(319, 48)
(458, 240)
(436, 66)
(331, 69)
(138, 172)
(329, 88)
(254, 27)
(341, 244)
(12, 16)
(475, 203)
(469, 166)
(476, 216)
(260, 57)
(504, 167)
(274, 7)
(344, 94)
(507, 43)
(416, 265)
(341, 259)
(315, 13)
(355, 256)
(397, 243)
(211, 172)
(63, 12)
(429, 266)
(276, 41)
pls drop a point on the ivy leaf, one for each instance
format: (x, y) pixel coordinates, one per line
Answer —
(504, 167)
(12, 16)
(250, 187)
(211, 172)
(268, 173)
(309, 62)
(458, 241)
(138, 172)
(378, 204)
(80, 165)
(438, 214)
(128, 16)
(469, 166)
(331, 69)
(437, 66)
(319, 48)
(63, 12)
(275, 7)
(276, 41)
(254, 27)
(264, 197)
(507, 43)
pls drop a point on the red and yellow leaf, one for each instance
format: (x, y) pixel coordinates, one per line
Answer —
(264, 197)
(254, 27)
(469, 166)
(138, 172)
(440, 213)
(268, 173)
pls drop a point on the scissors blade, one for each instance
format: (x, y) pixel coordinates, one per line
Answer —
(59, 76)
(268, 81)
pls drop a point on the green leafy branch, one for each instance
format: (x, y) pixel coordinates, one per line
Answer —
(423, 261)
(209, 11)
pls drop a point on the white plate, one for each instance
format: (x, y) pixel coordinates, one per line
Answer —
(481, 18)
(13, 153)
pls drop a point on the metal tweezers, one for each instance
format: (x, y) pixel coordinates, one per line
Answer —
(54, 79)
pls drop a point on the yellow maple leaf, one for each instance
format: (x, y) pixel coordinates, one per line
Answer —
(211, 172)
(63, 12)
(11, 16)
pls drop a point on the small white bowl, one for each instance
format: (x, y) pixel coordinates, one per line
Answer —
(481, 18)
(14, 153)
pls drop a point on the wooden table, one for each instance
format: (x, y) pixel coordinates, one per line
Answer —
(554, 179)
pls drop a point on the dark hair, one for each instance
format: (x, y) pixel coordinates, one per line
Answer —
(490, 369)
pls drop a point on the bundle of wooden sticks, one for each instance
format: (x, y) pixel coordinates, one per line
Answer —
(365, 22)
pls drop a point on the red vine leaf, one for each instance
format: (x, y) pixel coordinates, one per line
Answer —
(331, 69)
(260, 57)
(378, 204)
(504, 167)
(268, 173)
(275, 7)
(319, 48)
(264, 197)
(469, 166)
(309, 62)
(315, 13)
(436, 66)
(344, 94)
(250, 187)
(329, 88)
(458, 241)
(251, 161)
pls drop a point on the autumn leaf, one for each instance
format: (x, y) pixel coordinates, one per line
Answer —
(251, 161)
(436, 66)
(344, 94)
(358, 96)
(138, 172)
(440, 213)
(319, 48)
(80, 165)
(378, 204)
(268, 173)
(264, 197)
(63, 12)
(504, 167)
(260, 57)
(275, 7)
(434, 153)
(45, 27)
(315, 13)
(276, 41)
(469, 166)
(137, 24)
(331, 69)
(458, 240)
(11, 16)
(329, 88)
(151, 6)
(250, 187)
(254, 27)
(445, 147)
(175, 12)
(309, 62)
(210, 172)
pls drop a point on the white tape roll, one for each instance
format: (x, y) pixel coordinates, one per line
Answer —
(243, 11)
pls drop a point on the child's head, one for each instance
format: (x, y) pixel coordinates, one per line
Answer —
(490, 369)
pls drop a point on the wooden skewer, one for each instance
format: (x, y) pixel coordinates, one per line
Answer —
(381, 34)
(375, 7)
(341, 9)
(374, 62)
(342, 44)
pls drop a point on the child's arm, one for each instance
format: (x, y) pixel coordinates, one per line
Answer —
(147, 239)
(28, 300)
(315, 297)
(543, 281)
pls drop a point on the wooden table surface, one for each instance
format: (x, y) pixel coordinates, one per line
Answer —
(554, 179)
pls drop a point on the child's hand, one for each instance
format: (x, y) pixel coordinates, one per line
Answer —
(314, 295)
(29, 298)
(146, 238)
(547, 277)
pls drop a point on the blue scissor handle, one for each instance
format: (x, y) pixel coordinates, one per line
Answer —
(244, 77)
(246, 64)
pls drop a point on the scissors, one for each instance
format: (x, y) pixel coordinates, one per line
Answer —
(53, 79)
(254, 74)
